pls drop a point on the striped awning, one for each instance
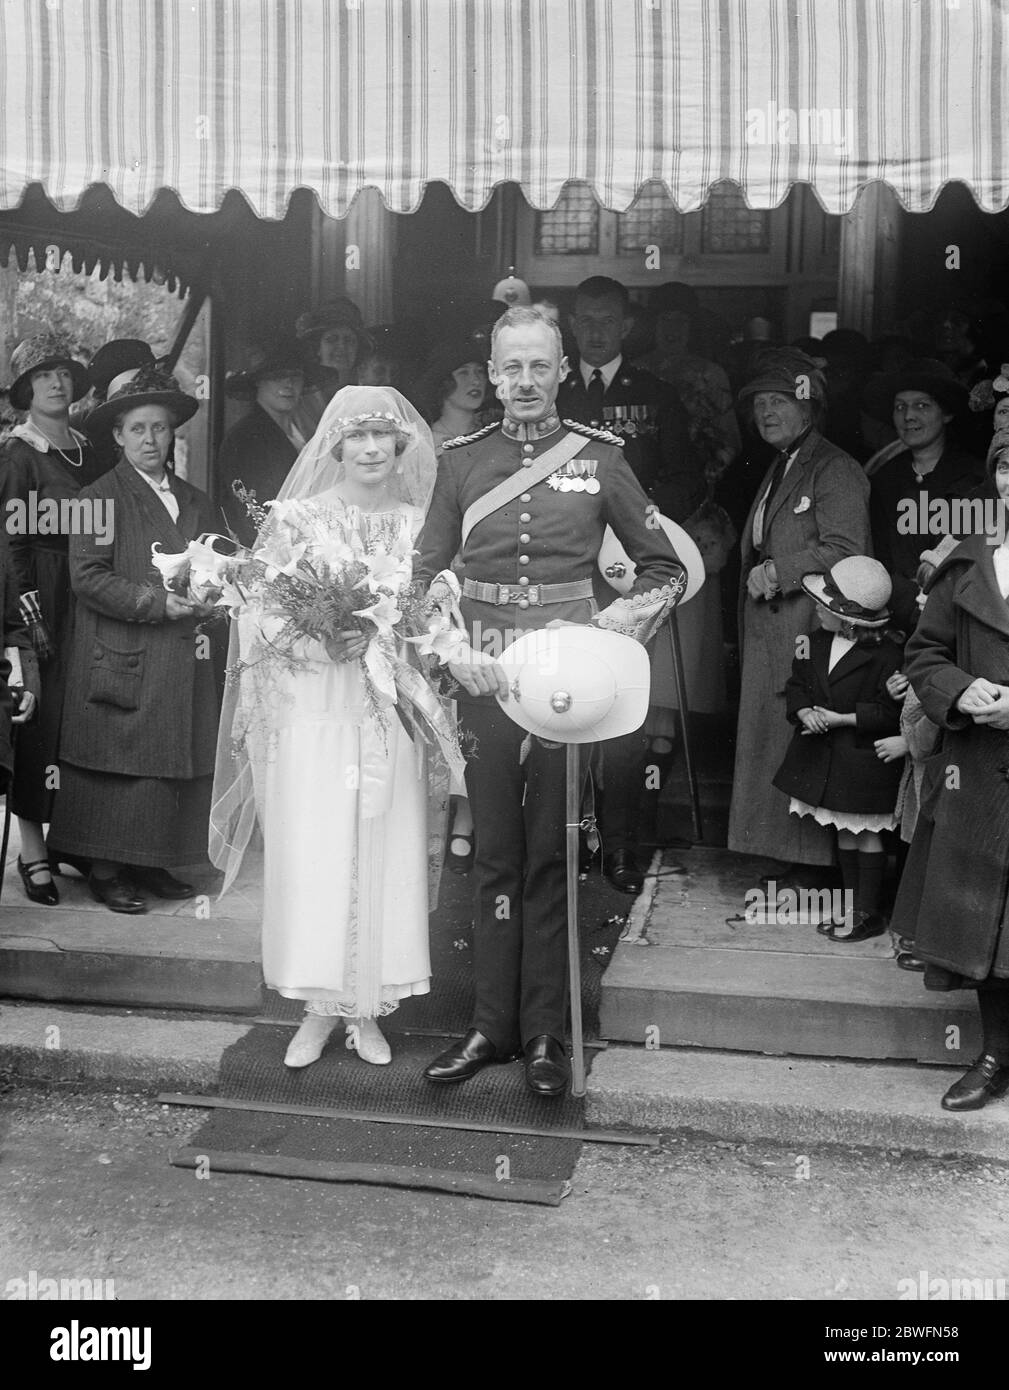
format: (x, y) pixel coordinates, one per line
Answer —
(267, 96)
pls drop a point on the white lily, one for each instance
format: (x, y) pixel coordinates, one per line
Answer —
(384, 614)
(171, 566)
(442, 639)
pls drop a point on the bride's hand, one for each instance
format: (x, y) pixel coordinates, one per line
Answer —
(346, 646)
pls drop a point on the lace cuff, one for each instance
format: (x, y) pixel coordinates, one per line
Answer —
(641, 615)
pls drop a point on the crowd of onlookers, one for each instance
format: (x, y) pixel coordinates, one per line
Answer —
(816, 479)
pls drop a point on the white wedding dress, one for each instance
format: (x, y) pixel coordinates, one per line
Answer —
(343, 809)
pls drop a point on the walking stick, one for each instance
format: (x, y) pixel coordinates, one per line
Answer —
(673, 630)
(574, 816)
(7, 811)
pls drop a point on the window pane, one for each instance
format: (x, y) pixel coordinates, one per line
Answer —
(729, 225)
(651, 220)
(572, 227)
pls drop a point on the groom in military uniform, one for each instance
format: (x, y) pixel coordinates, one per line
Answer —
(524, 504)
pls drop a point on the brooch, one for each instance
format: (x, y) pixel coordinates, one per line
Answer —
(803, 506)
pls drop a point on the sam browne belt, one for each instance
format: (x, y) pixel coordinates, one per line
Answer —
(527, 594)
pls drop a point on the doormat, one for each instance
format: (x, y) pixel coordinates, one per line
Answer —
(420, 1139)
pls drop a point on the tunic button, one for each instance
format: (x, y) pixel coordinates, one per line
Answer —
(523, 603)
(528, 448)
(526, 497)
(527, 463)
(524, 579)
(525, 517)
(523, 559)
(524, 539)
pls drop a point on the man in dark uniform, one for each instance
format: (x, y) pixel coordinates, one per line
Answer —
(646, 413)
(528, 528)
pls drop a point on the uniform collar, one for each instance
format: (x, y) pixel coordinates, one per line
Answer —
(607, 371)
(535, 429)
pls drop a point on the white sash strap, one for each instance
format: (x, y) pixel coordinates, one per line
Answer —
(522, 481)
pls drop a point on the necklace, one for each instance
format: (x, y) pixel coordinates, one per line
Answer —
(74, 463)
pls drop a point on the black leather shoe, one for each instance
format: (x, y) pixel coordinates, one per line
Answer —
(161, 883)
(38, 891)
(621, 870)
(907, 960)
(984, 1081)
(117, 894)
(867, 925)
(464, 1059)
(546, 1066)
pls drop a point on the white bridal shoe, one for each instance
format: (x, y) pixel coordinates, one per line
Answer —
(308, 1042)
(364, 1035)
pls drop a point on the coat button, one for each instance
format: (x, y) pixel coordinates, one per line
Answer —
(526, 497)
(523, 603)
(133, 661)
(525, 538)
(528, 448)
(525, 517)
(523, 559)
(96, 655)
(524, 579)
(527, 463)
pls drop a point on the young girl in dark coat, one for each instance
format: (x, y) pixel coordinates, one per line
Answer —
(837, 767)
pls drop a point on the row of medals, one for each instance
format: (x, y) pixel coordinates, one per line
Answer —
(582, 480)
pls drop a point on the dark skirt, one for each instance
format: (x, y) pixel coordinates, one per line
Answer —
(152, 822)
(33, 789)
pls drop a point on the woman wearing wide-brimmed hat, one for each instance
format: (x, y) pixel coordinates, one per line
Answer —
(923, 400)
(810, 511)
(44, 464)
(453, 390)
(260, 450)
(335, 339)
(953, 901)
(140, 720)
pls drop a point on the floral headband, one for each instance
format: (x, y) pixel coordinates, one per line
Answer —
(345, 423)
(985, 395)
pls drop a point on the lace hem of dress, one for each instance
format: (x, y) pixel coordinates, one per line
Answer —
(337, 1008)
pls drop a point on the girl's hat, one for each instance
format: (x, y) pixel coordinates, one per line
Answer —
(857, 589)
(926, 374)
(783, 370)
(35, 355)
(144, 386)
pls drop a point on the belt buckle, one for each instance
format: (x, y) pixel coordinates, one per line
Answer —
(533, 595)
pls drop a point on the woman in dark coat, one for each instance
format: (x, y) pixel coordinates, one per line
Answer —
(835, 769)
(811, 510)
(954, 895)
(261, 449)
(44, 464)
(140, 721)
(923, 401)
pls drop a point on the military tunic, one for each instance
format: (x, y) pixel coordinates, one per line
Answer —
(549, 534)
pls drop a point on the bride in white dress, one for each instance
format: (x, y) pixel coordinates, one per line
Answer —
(341, 799)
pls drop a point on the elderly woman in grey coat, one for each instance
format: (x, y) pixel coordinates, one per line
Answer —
(140, 719)
(811, 510)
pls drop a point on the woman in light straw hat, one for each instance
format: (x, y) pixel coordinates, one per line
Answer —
(44, 464)
(841, 769)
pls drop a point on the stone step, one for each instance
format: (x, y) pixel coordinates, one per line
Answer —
(166, 960)
(694, 974)
(795, 1102)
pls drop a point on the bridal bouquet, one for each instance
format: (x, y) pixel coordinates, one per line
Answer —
(307, 582)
